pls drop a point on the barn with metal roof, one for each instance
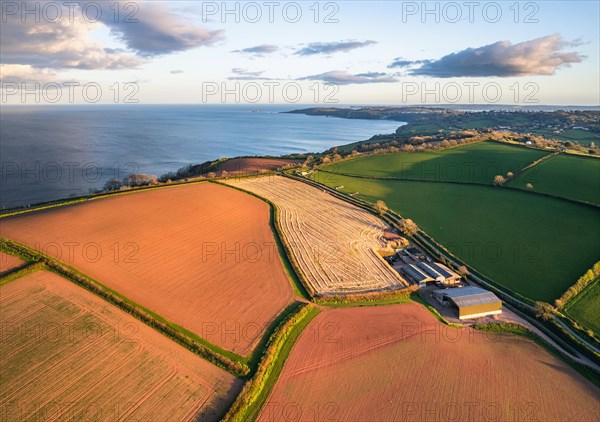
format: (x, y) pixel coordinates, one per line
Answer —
(471, 301)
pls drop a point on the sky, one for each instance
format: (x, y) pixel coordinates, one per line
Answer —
(328, 53)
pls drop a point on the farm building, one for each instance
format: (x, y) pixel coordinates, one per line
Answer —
(416, 274)
(472, 302)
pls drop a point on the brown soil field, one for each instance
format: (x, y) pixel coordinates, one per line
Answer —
(201, 255)
(9, 262)
(334, 243)
(399, 363)
(237, 166)
(66, 354)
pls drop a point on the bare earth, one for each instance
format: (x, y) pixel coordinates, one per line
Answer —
(252, 165)
(333, 242)
(66, 354)
(399, 363)
(9, 263)
(202, 256)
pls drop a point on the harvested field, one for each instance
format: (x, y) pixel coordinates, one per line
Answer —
(399, 363)
(9, 263)
(203, 256)
(238, 166)
(68, 355)
(334, 243)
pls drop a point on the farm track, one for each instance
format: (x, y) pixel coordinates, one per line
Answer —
(333, 242)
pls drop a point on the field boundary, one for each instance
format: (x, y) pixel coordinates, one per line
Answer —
(458, 182)
(575, 298)
(385, 297)
(521, 330)
(229, 361)
(553, 328)
(41, 206)
(573, 301)
(549, 157)
(311, 294)
(256, 391)
(298, 279)
(23, 270)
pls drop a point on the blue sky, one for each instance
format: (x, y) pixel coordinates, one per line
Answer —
(173, 54)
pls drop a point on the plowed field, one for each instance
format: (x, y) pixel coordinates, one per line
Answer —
(65, 354)
(399, 363)
(202, 256)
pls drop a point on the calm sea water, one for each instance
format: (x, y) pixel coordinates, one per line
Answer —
(55, 152)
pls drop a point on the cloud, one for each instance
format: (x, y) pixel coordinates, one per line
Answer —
(67, 43)
(258, 50)
(341, 77)
(18, 73)
(332, 47)
(158, 30)
(541, 56)
(176, 71)
(61, 44)
(246, 75)
(400, 62)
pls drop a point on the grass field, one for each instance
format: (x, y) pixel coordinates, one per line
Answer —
(332, 242)
(585, 307)
(68, 355)
(583, 137)
(475, 163)
(534, 245)
(203, 256)
(399, 363)
(565, 175)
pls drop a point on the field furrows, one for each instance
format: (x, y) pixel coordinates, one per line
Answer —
(334, 243)
(71, 356)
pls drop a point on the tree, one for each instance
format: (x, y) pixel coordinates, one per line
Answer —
(592, 145)
(499, 180)
(381, 207)
(408, 227)
(543, 310)
(309, 160)
(463, 271)
(113, 184)
(139, 179)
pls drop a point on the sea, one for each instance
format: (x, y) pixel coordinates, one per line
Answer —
(55, 152)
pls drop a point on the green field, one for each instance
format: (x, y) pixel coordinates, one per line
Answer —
(475, 163)
(569, 176)
(579, 136)
(535, 245)
(584, 308)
